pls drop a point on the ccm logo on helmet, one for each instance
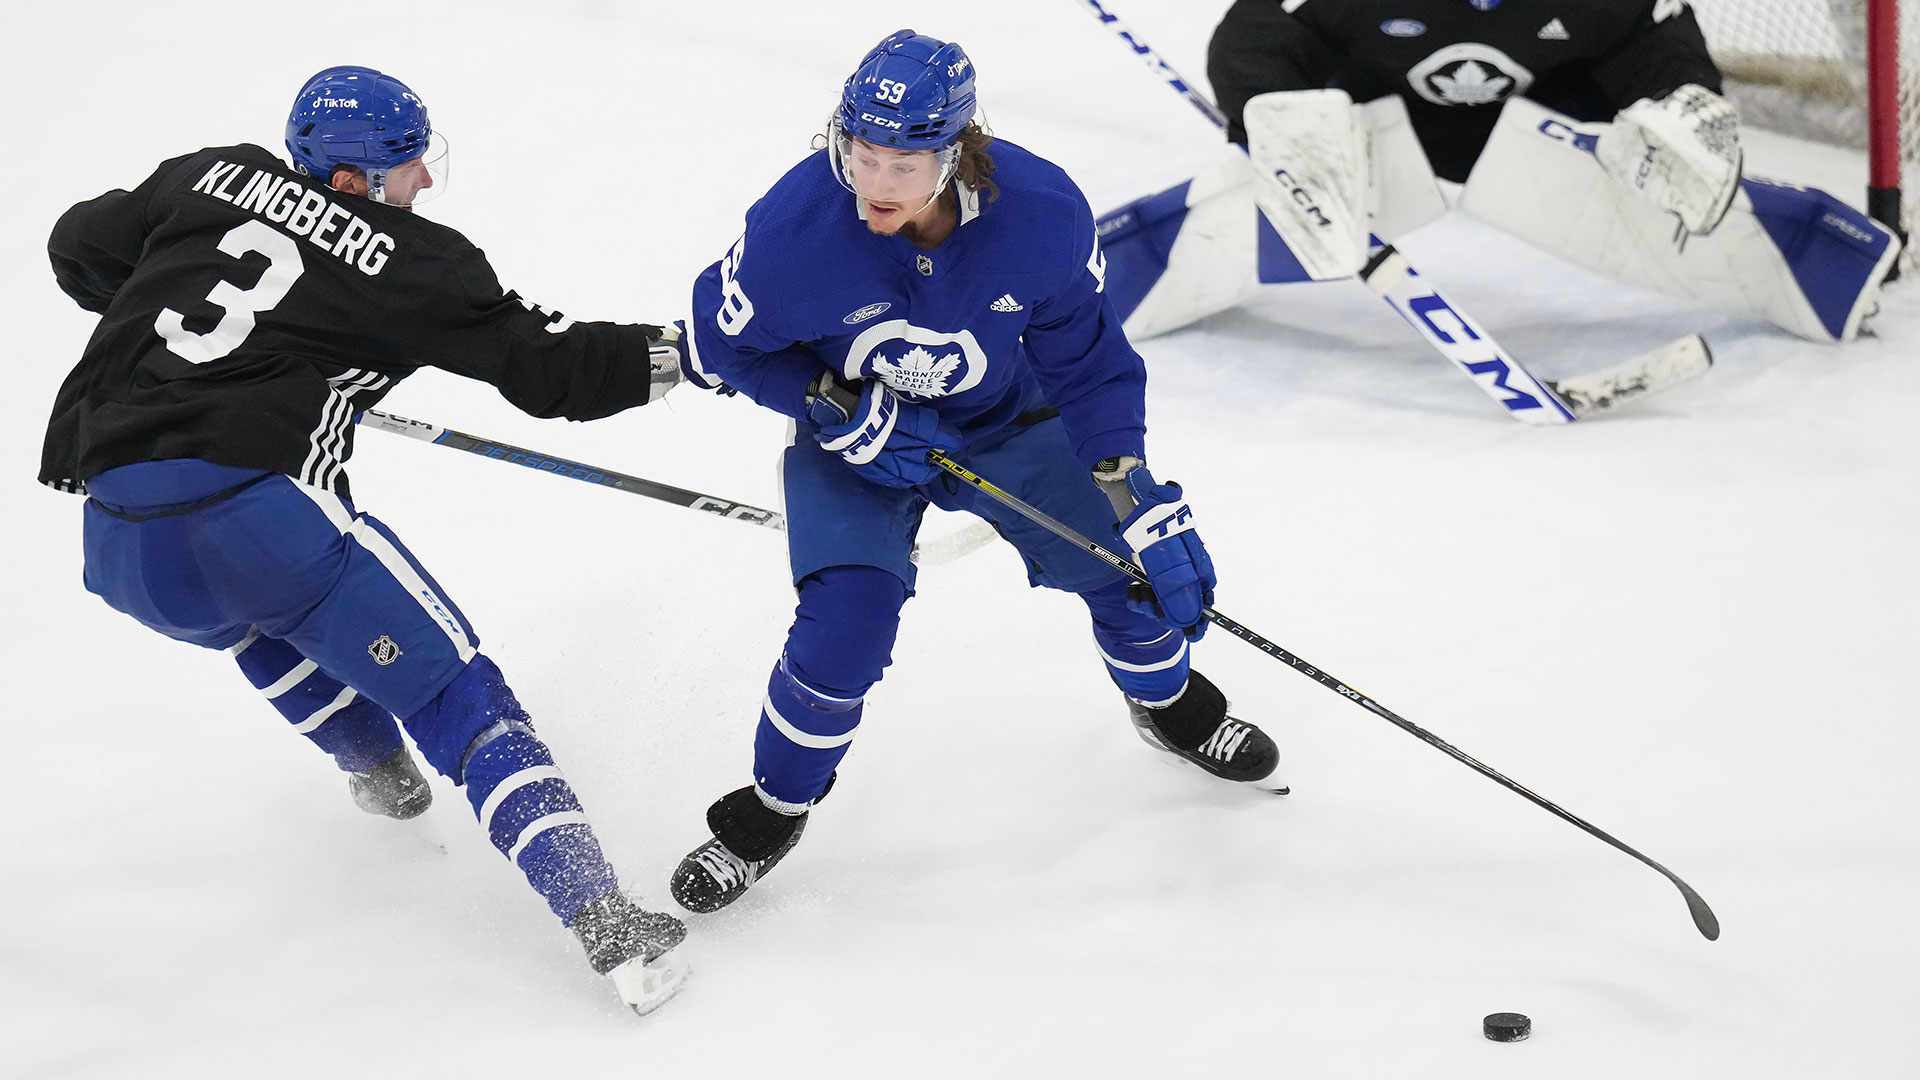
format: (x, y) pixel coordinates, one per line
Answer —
(881, 120)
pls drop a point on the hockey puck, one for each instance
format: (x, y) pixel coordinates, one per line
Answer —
(1506, 1027)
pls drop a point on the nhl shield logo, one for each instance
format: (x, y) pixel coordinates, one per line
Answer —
(383, 650)
(924, 265)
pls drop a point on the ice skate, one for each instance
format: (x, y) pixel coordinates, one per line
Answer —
(749, 839)
(1197, 728)
(393, 788)
(633, 947)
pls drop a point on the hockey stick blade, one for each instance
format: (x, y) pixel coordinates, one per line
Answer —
(1704, 919)
(963, 541)
(1670, 364)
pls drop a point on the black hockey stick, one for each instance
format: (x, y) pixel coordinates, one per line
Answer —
(547, 463)
(1703, 916)
(933, 551)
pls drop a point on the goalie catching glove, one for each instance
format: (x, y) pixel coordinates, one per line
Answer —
(884, 438)
(1157, 526)
(1680, 153)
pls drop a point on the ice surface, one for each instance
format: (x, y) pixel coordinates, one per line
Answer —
(1685, 622)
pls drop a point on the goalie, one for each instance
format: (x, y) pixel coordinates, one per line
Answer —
(1594, 131)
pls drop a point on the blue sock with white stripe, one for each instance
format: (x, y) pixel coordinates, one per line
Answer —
(803, 734)
(1146, 657)
(476, 732)
(531, 815)
(333, 716)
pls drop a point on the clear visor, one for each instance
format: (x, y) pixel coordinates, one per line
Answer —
(885, 175)
(412, 182)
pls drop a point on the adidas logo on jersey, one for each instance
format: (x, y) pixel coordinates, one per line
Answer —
(1555, 30)
(1006, 303)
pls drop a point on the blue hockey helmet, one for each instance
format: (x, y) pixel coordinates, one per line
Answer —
(356, 116)
(911, 92)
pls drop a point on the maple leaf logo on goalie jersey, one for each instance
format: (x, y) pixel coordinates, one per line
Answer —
(1469, 73)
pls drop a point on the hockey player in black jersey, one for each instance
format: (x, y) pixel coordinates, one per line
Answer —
(248, 311)
(1593, 130)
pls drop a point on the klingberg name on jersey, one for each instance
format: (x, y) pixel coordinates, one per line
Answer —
(303, 212)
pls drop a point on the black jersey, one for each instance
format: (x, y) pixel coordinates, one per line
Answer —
(1454, 64)
(248, 312)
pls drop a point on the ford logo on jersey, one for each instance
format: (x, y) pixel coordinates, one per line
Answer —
(866, 313)
(1403, 28)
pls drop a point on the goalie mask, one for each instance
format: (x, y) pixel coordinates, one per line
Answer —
(909, 99)
(359, 117)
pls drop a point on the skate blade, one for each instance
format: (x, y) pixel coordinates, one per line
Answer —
(646, 987)
(1272, 785)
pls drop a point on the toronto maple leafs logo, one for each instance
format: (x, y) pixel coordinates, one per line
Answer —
(916, 362)
(919, 373)
(1472, 84)
(1469, 74)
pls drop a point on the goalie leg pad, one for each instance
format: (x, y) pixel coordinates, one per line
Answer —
(1796, 256)
(1184, 253)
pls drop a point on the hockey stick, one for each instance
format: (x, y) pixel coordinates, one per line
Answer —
(547, 463)
(1703, 917)
(1449, 330)
(935, 551)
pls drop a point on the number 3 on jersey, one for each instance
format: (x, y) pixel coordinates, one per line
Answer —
(238, 306)
(735, 309)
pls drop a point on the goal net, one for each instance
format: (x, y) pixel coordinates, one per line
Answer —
(1838, 71)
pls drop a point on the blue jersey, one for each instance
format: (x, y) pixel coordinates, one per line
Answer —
(1008, 314)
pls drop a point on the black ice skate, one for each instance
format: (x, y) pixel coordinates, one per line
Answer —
(394, 788)
(633, 947)
(1196, 728)
(749, 839)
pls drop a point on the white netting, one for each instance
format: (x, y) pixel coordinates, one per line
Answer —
(1800, 66)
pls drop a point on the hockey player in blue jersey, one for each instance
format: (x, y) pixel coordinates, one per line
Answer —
(248, 310)
(906, 289)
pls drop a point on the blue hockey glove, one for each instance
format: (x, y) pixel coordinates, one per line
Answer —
(1160, 532)
(884, 438)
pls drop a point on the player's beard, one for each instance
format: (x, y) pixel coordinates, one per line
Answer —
(912, 230)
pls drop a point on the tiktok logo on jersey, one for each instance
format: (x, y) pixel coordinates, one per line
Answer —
(916, 362)
(1469, 73)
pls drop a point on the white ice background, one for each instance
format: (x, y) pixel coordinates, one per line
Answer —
(1686, 623)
